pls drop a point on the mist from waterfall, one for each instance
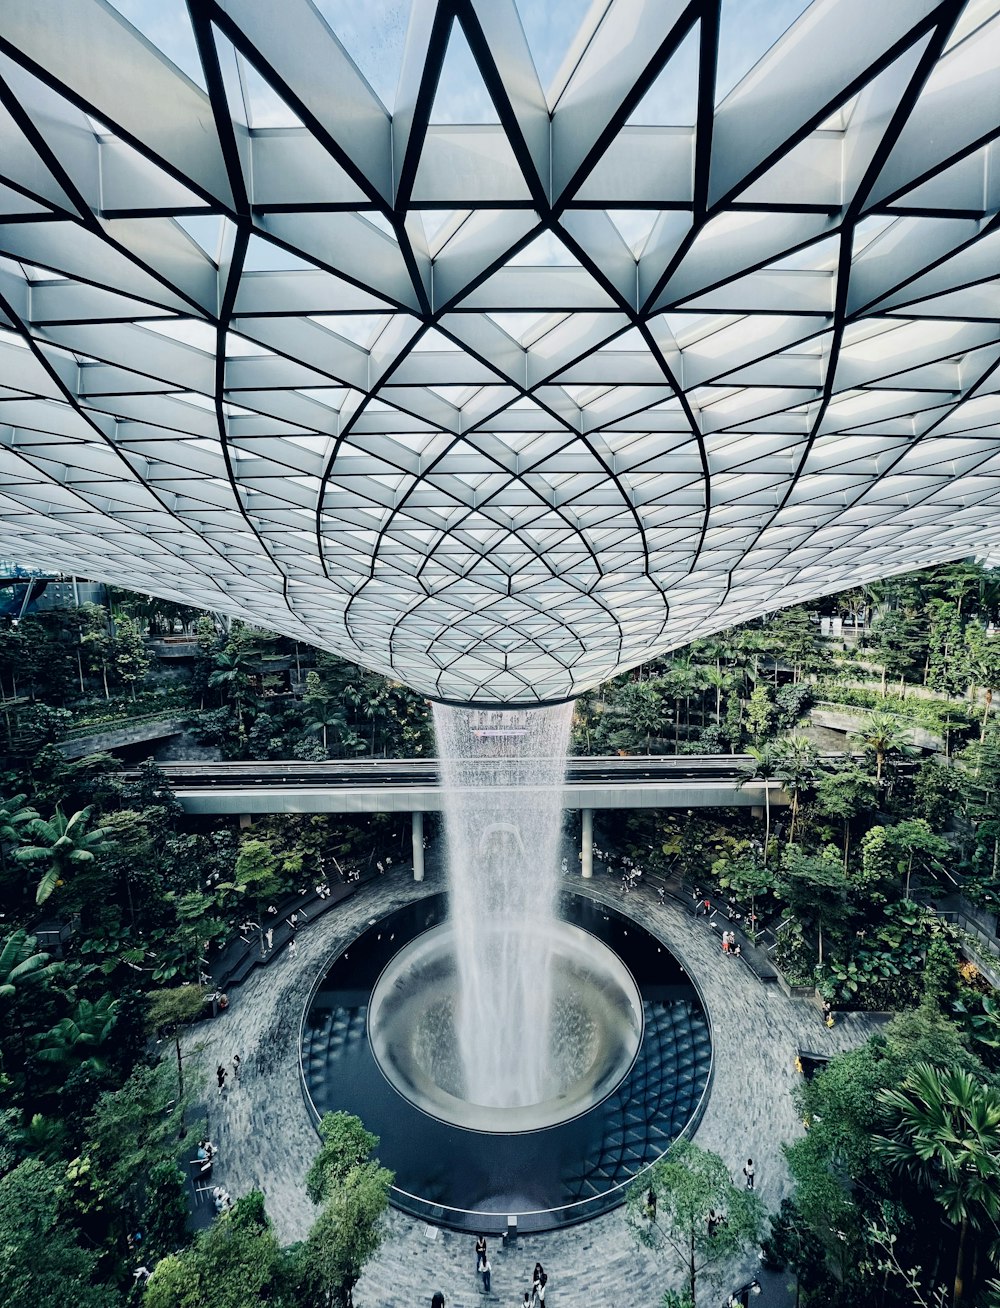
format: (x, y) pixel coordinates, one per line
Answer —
(503, 774)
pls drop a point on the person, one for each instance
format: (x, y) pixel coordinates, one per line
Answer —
(293, 922)
(737, 951)
(526, 1301)
(480, 1251)
(715, 1220)
(292, 948)
(538, 1283)
(222, 1199)
(237, 1065)
(220, 1073)
(725, 942)
(651, 1204)
(269, 937)
(437, 1299)
(142, 1275)
(486, 1269)
(748, 1172)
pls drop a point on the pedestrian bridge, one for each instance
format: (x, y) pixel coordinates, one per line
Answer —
(414, 786)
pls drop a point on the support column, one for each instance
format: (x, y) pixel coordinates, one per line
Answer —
(418, 846)
(587, 843)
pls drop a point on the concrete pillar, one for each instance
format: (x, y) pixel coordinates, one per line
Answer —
(246, 820)
(418, 846)
(587, 843)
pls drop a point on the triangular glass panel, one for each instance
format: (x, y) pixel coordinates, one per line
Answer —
(374, 37)
(265, 256)
(747, 30)
(672, 100)
(550, 30)
(545, 251)
(461, 95)
(166, 25)
(634, 226)
(205, 231)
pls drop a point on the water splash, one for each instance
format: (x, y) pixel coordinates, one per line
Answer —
(503, 775)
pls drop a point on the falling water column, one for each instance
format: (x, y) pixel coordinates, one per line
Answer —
(503, 775)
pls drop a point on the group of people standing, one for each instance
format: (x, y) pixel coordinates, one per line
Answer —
(729, 945)
(533, 1298)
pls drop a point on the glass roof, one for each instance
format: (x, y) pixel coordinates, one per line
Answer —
(499, 347)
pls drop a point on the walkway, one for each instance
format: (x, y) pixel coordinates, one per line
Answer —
(266, 1139)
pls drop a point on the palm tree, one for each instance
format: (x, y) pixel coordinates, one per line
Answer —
(232, 673)
(945, 1131)
(21, 967)
(64, 843)
(798, 762)
(80, 1036)
(320, 715)
(763, 767)
(20, 964)
(718, 679)
(883, 735)
(14, 817)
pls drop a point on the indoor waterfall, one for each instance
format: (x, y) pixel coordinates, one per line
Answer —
(502, 774)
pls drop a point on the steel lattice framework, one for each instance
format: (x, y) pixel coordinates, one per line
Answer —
(493, 388)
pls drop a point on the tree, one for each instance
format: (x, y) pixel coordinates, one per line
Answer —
(78, 1039)
(354, 1193)
(236, 1263)
(760, 712)
(762, 767)
(797, 766)
(844, 793)
(171, 1009)
(689, 1183)
(944, 1130)
(983, 662)
(814, 887)
(231, 675)
(132, 660)
(64, 843)
(902, 848)
(898, 640)
(882, 735)
(42, 1264)
(95, 650)
(130, 1130)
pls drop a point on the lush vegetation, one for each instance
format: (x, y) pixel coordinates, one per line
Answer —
(109, 896)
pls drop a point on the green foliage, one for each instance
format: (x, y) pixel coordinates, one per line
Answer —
(236, 1263)
(64, 843)
(689, 1183)
(354, 1193)
(130, 1131)
(173, 1007)
(346, 1146)
(760, 713)
(346, 1234)
(815, 888)
(42, 1263)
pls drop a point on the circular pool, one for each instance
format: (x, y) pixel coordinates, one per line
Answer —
(629, 1071)
(595, 1030)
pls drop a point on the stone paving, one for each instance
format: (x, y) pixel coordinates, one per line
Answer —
(266, 1138)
